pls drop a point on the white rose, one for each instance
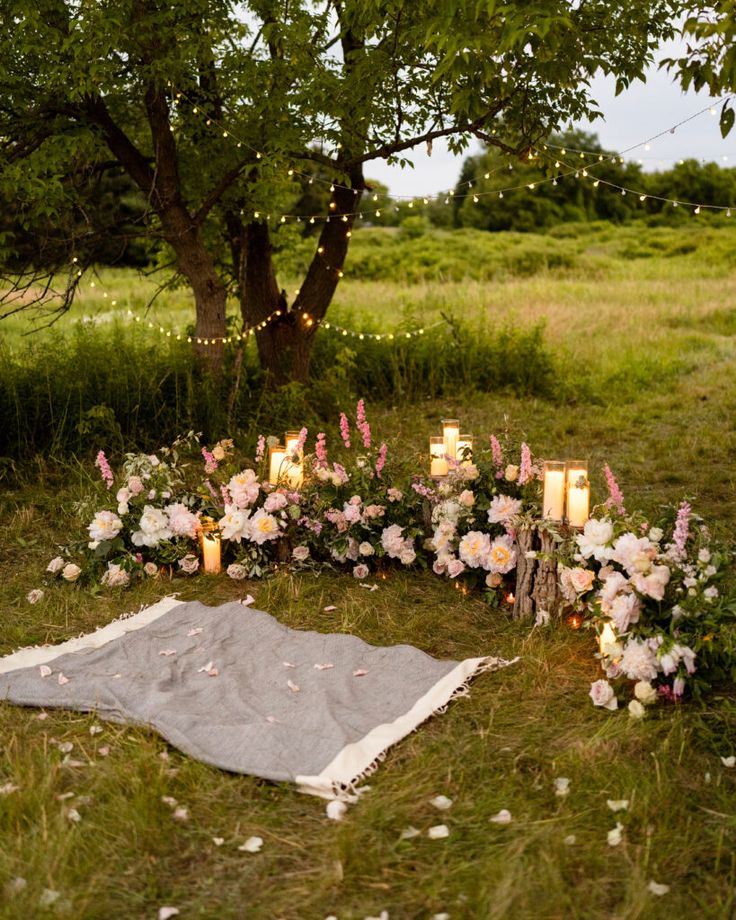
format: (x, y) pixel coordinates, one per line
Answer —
(115, 576)
(300, 553)
(151, 569)
(71, 572)
(236, 571)
(56, 565)
(645, 692)
(636, 710)
(105, 526)
(189, 564)
(466, 498)
(655, 534)
(365, 549)
(601, 692)
(34, 596)
(511, 473)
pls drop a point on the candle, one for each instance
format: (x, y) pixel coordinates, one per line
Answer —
(437, 461)
(608, 643)
(293, 470)
(451, 433)
(211, 545)
(553, 500)
(465, 444)
(578, 493)
(276, 465)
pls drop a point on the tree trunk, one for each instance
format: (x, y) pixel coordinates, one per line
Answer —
(285, 342)
(523, 603)
(546, 593)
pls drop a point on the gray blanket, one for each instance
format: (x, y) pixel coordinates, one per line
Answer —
(234, 688)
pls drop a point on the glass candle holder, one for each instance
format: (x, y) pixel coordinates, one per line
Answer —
(465, 443)
(451, 434)
(211, 546)
(553, 498)
(578, 492)
(437, 461)
(276, 463)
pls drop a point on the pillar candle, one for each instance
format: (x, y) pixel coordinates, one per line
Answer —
(437, 461)
(276, 465)
(553, 500)
(578, 493)
(211, 553)
(451, 433)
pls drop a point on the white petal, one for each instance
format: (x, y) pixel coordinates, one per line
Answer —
(251, 845)
(617, 804)
(165, 913)
(288, 664)
(443, 916)
(272, 719)
(103, 751)
(503, 817)
(292, 686)
(63, 796)
(728, 761)
(615, 835)
(336, 809)
(409, 832)
(207, 667)
(15, 886)
(8, 788)
(657, 888)
(41, 716)
(570, 840)
(181, 813)
(248, 600)
(438, 832)
(62, 680)
(562, 785)
(441, 802)
(194, 632)
(74, 815)
(167, 651)
(45, 670)
(95, 729)
(169, 800)
(218, 841)
(361, 672)
(370, 587)
(116, 676)
(66, 746)
(213, 672)
(329, 609)
(48, 897)
(323, 667)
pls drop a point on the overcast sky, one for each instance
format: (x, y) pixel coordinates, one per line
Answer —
(637, 114)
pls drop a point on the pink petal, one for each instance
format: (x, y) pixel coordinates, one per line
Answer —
(248, 600)
(292, 686)
(166, 913)
(62, 680)
(194, 632)
(288, 664)
(323, 667)
(103, 751)
(45, 670)
(207, 667)
(272, 719)
(168, 651)
(361, 672)
(329, 609)
(41, 716)
(218, 841)
(116, 676)
(213, 672)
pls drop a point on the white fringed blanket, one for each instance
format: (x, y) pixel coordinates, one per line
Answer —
(234, 688)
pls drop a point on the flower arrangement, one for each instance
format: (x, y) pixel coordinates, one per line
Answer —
(649, 593)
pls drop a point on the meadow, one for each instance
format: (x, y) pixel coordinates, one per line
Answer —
(634, 366)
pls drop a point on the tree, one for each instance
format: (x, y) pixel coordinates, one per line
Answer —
(217, 110)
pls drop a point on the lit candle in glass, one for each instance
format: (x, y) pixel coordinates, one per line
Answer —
(465, 444)
(578, 493)
(608, 644)
(437, 461)
(553, 499)
(451, 434)
(210, 543)
(276, 465)
(293, 470)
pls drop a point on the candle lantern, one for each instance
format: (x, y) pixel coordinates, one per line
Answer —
(578, 492)
(211, 546)
(437, 461)
(608, 644)
(276, 463)
(293, 470)
(553, 500)
(465, 444)
(451, 434)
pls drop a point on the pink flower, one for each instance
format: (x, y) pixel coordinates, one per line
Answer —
(525, 469)
(601, 692)
(344, 429)
(682, 531)
(363, 427)
(320, 450)
(182, 522)
(341, 472)
(260, 448)
(381, 460)
(189, 564)
(275, 502)
(615, 495)
(135, 485)
(496, 452)
(423, 490)
(301, 442)
(455, 568)
(395, 495)
(361, 571)
(210, 464)
(104, 468)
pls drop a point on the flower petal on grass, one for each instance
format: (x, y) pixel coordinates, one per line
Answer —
(181, 813)
(48, 897)
(438, 832)
(103, 751)
(8, 788)
(169, 800)
(73, 815)
(657, 888)
(409, 833)
(15, 886)
(503, 817)
(441, 802)
(251, 845)
(336, 810)
(562, 785)
(44, 670)
(370, 587)
(218, 841)
(570, 840)
(248, 600)
(617, 804)
(95, 729)
(615, 836)
(728, 761)
(41, 716)
(165, 913)
(292, 686)
(330, 608)
(66, 747)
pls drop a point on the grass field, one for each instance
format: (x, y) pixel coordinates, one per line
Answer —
(647, 334)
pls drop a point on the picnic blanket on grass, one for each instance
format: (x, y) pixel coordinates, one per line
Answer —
(231, 686)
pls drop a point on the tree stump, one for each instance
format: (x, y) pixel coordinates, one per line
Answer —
(523, 601)
(546, 593)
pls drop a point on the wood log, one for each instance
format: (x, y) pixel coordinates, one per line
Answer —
(523, 602)
(546, 592)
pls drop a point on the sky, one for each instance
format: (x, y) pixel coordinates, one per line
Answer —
(640, 112)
